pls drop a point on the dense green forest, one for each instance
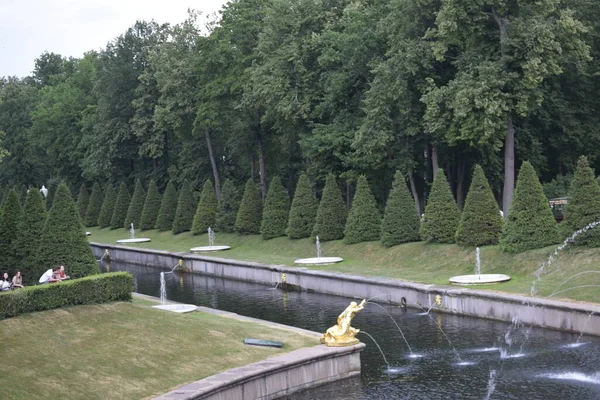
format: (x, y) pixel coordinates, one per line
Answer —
(286, 87)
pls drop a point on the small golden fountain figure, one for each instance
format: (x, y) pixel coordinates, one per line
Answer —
(343, 334)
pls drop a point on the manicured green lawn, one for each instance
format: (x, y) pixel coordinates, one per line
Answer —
(124, 350)
(417, 262)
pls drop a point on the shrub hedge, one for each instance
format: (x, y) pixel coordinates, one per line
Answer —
(151, 207)
(186, 208)
(331, 215)
(228, 207)
(364, 219)
(121, 205)
(136, 206)
(304, 210)
(168, 206)
(94, 206)
(83, 198)
(276, 211)
(401, 222)
(249, 216)
(108, 206)
(206, 212)
(94, 289)
(441, 214)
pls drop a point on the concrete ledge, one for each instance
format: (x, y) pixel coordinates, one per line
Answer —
(273, 377)
(543, 312)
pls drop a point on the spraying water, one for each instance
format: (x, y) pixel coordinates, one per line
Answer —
(477, 262)
(163, 289)
(132, 232)
(379, 347)
(397, 326)
(211, 237)
(318, 244)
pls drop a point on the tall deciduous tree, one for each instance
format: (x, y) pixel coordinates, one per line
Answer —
(401, 222)
(500, 71)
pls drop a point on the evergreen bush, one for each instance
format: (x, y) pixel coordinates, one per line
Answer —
(441, 213)
(121, 205)
(249, 215)
(583, 205)
(168, 206)
(10, 220)
(94, 206)
(480, 221)
(228, 207)
(364, 220)
(331, 214)
(97, 289)
(83, 198)
(29, 236)
(151, 207)
(530, 223)
(63, 240)
(108, 206)
(186, 207)
(52, 186)
(22, 191)
(401, 222)
(303, 212)
(206, 213)
(136, 206)
(276, 211)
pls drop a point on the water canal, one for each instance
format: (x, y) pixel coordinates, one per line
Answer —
(467, 358)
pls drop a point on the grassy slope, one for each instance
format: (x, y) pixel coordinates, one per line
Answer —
(418, 262)
(124, 350)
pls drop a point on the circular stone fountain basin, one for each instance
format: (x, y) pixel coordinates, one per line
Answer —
(209, 248)
(482, 279)
(137, 240)
(318, 260)
(178, 308)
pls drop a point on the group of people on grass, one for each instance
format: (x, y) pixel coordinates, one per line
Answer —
(54, 274)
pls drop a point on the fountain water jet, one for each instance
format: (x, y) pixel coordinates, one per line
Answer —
(318, 260)
(178, 308)
(412, 355)
(132, 238)
(211, 244)
(478, 278)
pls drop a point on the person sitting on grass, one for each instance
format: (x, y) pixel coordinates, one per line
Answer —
(17, 280)
(62, 275)
(5, 282)
(50, 276)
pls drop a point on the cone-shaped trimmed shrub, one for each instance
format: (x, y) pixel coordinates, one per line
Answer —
(63, 240)
(401, 222)
(441, 214)
(364, 220)
(10, 220)
(94, 206)
(228, 207)
(186, 207)
(22, 193)
(276, 211)
(583, 205)
(108, 206)
(151, 207)
(249, 215)
(136, 206)
(303, 212)
(206, 213)
(530, 223)
(480, 220)
(121, 205)
(52, 186)
(83, 198)
(30, 233)
(331, 215)
(168, 206)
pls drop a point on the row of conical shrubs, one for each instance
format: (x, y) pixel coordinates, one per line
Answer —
(33, 239)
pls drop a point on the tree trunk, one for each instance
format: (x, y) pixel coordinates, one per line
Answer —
(261, 163)
(213, 163)
(434, 159)
(413, 189)
(509, 166)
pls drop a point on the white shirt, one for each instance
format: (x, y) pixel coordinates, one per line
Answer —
(46, 277)
(5, 284)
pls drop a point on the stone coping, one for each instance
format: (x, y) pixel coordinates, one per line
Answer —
(380, 281)
(311, 367)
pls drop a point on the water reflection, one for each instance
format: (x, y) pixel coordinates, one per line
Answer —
(550, 367)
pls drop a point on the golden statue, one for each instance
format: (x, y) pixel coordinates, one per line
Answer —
(343, 334)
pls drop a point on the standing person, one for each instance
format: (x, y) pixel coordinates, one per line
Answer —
(17, 280)
(50, 276)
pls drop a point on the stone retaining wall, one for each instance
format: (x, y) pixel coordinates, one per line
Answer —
(562, 315)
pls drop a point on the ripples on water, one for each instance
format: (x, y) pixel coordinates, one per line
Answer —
(551, 364)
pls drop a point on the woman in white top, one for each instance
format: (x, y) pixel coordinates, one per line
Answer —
(5, 282)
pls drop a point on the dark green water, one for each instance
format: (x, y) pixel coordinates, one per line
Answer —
(475, 356)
